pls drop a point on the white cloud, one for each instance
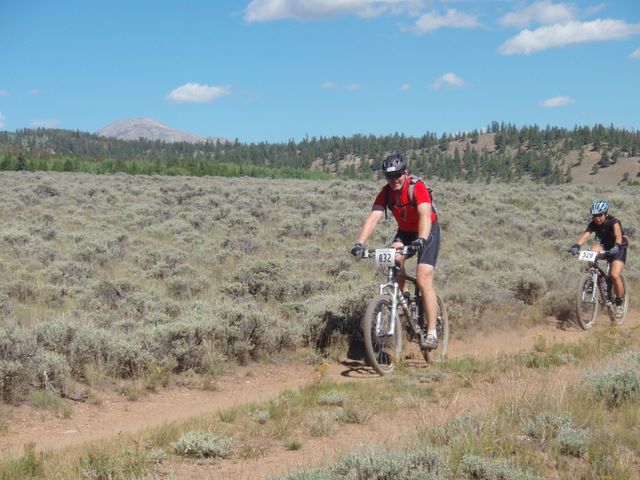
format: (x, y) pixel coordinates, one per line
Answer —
(405, 87)
(2, 118)
(570, 33)
(328, 84)
(592, 10)
(557, 102)
(268, 10)
(4, 93)
(35, 91)
(46, 123)
(448, 79)
(196, 93)
(635, 55)
(543, 13)
(354, 87)
(432, 21)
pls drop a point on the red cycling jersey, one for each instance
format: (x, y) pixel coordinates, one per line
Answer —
(405, 214)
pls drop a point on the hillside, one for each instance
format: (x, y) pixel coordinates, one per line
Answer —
(149, 129)
(502, 152)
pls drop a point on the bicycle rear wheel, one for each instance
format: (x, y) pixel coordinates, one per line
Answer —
(382, 346)
(442, 328)
(612, 316)
(587, 302)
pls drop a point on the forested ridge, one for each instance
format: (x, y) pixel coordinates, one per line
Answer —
(502, 151)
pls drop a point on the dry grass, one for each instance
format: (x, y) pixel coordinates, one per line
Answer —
(145, 277)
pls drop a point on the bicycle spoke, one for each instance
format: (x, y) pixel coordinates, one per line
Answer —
(382, 339)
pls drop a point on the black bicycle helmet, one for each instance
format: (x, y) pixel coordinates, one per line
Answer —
(394, 163)
(599, 206)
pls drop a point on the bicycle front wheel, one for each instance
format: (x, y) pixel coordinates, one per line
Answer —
(382, 341)
(587, 302)
(442, 328)
(625, 305)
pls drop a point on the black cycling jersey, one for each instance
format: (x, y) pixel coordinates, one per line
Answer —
(605, 233)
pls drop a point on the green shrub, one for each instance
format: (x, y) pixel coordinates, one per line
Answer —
(22, 291)
(127, 462)
(126, 357)
(18, 347)
(261, 416)
(29, 466)
(52, 369)
(333, 398)
(13, 378)
(16, 239)
(201, 444)
(545, 425)
(244, 332)
(573, 441)
(382, 464)
(322, 424)
(184, 343)
(307, 474)
(529, 289)
(6, 309)
(68, 273)
(461, 427)
(479, 468)
(617, 383)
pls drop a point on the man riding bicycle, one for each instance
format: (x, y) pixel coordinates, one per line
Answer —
(417, 226)
(609, 233)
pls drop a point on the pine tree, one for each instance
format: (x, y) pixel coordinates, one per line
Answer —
(21, 164)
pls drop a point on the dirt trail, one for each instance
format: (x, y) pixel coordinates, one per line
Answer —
(254, 384)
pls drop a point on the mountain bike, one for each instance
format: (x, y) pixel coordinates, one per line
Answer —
(393, 316)
(595, 290)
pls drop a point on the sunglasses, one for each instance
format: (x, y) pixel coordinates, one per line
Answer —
(393, 176)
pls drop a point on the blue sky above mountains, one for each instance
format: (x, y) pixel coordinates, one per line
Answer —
(272, 70)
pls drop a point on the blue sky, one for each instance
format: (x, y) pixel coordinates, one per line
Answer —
(274, 70)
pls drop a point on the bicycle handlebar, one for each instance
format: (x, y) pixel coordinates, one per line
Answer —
(601, 254)
(405, 250)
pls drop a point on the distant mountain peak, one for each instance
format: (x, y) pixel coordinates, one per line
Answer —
(150, 129)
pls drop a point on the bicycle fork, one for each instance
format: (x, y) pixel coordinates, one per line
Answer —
(394, 311)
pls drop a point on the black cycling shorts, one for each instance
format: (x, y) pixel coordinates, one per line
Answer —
(621, 255)
(430, 253)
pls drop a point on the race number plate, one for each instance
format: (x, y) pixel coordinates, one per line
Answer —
(385, 257)
(588, 256)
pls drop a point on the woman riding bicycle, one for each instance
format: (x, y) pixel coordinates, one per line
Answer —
(417, 225)
(610, 237)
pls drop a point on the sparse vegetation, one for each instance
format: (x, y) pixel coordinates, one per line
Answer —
(560, 429)
(200, 444)
(134, 282)
(145, 278)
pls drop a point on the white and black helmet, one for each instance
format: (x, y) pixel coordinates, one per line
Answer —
(394, 163)
(599, 206)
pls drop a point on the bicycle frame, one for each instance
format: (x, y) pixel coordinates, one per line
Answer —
(392, 317)
(392, 289)
(597, 272)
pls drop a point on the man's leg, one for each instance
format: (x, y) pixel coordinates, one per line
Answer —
(424, 279)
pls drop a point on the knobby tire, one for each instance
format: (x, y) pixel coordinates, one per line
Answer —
(587, 305)
(383, 352)
(442, 328)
